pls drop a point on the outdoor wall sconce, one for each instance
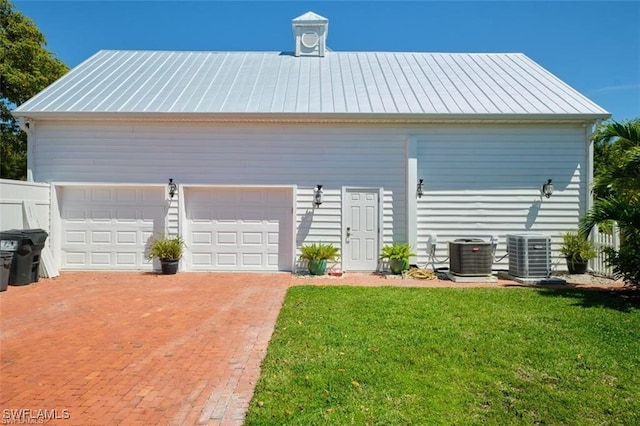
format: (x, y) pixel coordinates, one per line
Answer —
(172, 188)
(420, 188)
(547, 189)
(317, 196)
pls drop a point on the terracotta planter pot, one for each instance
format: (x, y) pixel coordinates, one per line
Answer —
(317, 267)
(169, 266)
(577, 267)
(397, 266)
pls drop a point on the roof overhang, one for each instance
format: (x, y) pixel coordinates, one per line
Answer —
(312, 118)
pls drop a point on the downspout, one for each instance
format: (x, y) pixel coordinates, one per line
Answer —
(28, 126)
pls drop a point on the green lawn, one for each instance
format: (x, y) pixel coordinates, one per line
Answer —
(400, 356)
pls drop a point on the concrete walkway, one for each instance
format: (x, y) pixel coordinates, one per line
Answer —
(105, 348)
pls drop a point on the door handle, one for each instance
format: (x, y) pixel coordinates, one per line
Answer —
(348, 231)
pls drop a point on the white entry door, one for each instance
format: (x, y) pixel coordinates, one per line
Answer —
(361, 230)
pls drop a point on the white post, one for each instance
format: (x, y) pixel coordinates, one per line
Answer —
(28, 126)
(615, 236)
(412, 202)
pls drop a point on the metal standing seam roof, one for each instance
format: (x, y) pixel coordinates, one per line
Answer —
(390, 83)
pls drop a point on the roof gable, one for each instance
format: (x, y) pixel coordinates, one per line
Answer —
(310, 17)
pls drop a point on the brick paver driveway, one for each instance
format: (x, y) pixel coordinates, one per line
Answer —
(136, 348)
(106, 348)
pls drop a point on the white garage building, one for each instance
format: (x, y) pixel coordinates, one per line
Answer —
(249, 136)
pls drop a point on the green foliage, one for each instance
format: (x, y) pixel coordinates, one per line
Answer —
(450, 356)
(165, 247)
(626, 261)
(626, 212)
(319, 251)
(616, 158)
(617, 193)
(396, 251)
(26, 67)
(577, 248)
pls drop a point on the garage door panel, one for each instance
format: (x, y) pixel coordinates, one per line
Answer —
(100, 215)
(127, 215)
(74, 258)
(101, 194)
(226, 238)
(239, 228)
(109, 228)
(252, 238)
(201, 259)
(229, 260)
(126, 259)
(126, 194)
(252, 260)
(100, 258)
(101, 237)
(201, 238)
(129, 237)
(76, 215)
(75, 237)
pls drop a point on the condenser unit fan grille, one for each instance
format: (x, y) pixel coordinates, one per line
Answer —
(470, 257)
(529, 255)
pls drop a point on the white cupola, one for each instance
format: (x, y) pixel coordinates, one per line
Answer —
(310, 33)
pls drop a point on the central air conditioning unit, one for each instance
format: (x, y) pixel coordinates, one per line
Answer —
(529, 255)
(470, 257)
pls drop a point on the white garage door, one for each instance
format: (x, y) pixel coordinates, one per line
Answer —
(109, 227)
(239, 229)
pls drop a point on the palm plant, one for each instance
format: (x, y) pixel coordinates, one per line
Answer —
(317, 255)
(617, 193)
(398, 256)
(617, 158)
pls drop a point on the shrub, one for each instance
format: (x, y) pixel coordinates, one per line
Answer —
(577, 248)
(166, 248)
(319, 251)
(626, 262)
(396, 251)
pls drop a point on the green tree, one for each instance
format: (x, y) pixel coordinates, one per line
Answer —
(617, 193)
(26, 67)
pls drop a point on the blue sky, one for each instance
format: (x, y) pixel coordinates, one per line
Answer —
(594, 46)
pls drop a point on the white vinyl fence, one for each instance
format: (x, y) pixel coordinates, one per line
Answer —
(603, 240)
(27, 205)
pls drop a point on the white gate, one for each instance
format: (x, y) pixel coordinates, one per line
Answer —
(602, 240)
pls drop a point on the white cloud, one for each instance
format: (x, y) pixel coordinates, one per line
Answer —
(633, 86)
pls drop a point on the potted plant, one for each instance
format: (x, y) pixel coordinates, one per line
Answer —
(317, 255)
(398, 256)
(578, 250)
(168, 250)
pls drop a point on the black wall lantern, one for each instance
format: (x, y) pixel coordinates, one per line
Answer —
(547, 189)
(317, 196)
(172, 188)
(420, 188)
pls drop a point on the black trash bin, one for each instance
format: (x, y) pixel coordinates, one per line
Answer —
(38, 237)
(10, 241)
(26, 246)
(6, 259)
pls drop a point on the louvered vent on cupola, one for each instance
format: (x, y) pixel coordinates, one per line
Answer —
(310, 33)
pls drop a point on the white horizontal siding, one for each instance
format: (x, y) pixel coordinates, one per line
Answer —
(194, 154)
(485, 180)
